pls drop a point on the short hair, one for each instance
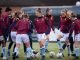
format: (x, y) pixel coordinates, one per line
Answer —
(48, 9)
(8, 9)
(25, 16)
(17, 14)
(39, 10)
(73, 14)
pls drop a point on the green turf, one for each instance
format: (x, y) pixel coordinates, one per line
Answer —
(51, 47)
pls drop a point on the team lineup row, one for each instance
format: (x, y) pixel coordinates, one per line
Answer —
(18, 26)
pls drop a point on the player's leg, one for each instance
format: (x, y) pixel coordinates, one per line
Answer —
(46, 45)
(9, 47)
(18, 43)
(4, 36)
(59, 35)
(76, 46)
(41, 39)
(59, 42)
(30, 38)
(26, 41)
(66, 35)
(71, 44)
(13, 39)
(3, 48)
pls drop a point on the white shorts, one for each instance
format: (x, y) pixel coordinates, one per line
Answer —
(52, 36)
(1, 38)
(13, 36)
(22, 38)
(41, 36)
(77, 37)
(64, 35)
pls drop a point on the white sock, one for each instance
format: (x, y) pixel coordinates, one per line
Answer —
(4, 51)
(29, 52)
(16, 50)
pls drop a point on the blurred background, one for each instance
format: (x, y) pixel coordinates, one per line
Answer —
(29, 6)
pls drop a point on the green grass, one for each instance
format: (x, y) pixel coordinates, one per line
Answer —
(51, 47)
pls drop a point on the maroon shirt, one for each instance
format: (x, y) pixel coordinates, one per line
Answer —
(5, 19)
(50, 21)
(76, 26)
(0, 28)
(65, 24)
(40, 25)
(79, 25)
(14, 26)
(22, 26)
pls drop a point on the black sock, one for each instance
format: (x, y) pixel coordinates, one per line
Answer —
(24, 47)
(31, 42)
(14, 47)
(10, 45)
(64, 46)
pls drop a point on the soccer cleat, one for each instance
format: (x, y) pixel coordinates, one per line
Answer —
(1, 54)
(68, 54)
(14, 56)
(43, 58)
(77, 58)
(8, 53)
(28, 59)
(34, 52)
(74, 55)
(62, 54)
(46, 50)
(4, 58)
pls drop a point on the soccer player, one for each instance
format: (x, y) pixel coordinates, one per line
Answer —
(13, 33)
(0, 24)
(5, 17)
(1, 37)
(76, 30)
(50, 21)
(30, 37)
(41, 27)
(65, 23)
(23, 28)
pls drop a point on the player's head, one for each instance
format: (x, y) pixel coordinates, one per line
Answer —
(8, 9)
(73, 16)
(38, 12)
(48, 11)
(70, 14)
(17, 15)
(25, 16)
(64, 12)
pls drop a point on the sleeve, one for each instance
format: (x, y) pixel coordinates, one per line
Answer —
(52, 18)
(31, 27)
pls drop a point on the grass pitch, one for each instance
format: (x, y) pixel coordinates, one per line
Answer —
(51, 47)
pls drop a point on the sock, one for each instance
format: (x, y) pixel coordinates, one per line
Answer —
(4, 51)
(16, 50)
(46, 44)
(14, 47)
(59, 44)
(28, 52)
(68, 47)
(8, 51)
(77, 52)
(64, 46)
(42, 51)
(10, 45)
